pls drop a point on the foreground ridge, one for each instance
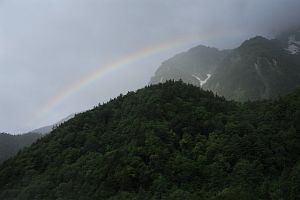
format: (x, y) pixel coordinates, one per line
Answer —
(166, 141)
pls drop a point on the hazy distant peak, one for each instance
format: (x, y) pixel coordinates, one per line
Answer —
(48, 129)
(202, 48)
(259, 68)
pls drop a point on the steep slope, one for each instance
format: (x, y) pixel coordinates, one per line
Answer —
(258, 69)
(11, 144)
(167, 141)
(194, 66)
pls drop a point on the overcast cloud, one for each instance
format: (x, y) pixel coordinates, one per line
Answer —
(47, 45)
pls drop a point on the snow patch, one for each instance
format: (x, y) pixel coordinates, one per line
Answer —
(202, 82)
(293, 45)
(293, 49)
(275, 62)
(161, 79)
(292, 39)
(275, 66)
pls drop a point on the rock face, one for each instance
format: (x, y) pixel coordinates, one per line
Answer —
(194, 66)
(259, 69)
(290, 40)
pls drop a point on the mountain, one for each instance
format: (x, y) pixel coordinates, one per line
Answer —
(259, 69)
(290, 40)
(11, 144)
(48, 129)
(166, 141)
(194, 66)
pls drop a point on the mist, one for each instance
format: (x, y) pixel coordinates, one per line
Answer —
(47, 46)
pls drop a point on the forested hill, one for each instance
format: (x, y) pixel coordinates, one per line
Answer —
(166, 141)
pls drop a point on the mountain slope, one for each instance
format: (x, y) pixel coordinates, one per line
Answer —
(167, 141)
(11, 144)
(290, 39)
(193, 66)
(258, 69)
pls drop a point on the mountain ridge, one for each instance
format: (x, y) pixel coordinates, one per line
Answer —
(259, 68)
(190, 66)
(11, 144)
(49, 128)
(166, 141)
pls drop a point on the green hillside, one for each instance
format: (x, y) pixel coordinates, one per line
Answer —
(166, 141)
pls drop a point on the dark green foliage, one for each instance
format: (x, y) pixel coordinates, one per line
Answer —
(11, 144)
(167, 141)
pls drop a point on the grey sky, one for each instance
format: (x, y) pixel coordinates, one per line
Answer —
(47, 45)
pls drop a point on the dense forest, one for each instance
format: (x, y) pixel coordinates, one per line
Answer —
(167, 141)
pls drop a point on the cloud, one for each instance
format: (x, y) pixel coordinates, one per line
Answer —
(48, 45)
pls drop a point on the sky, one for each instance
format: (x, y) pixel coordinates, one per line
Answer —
(59, 57)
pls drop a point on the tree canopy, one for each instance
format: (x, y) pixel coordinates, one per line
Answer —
(166, 141)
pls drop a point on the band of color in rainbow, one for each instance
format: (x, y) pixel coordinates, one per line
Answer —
(99, 72)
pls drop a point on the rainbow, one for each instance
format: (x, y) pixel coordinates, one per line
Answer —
(96, 74)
